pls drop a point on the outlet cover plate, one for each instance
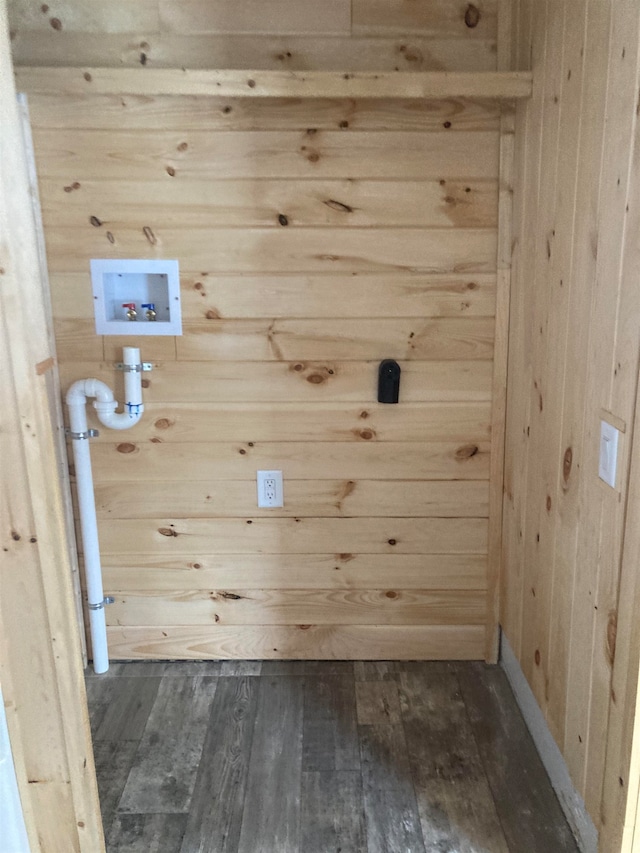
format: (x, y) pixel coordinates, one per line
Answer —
(270, 489)
(608, 462)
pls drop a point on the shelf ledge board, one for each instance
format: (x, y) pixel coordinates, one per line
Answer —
(274, 84)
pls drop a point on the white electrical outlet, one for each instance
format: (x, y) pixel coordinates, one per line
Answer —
(270, 489)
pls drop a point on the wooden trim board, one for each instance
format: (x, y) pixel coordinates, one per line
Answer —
(274, 84)
(570, 800)
(40, 652)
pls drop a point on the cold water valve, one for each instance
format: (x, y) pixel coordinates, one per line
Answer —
(150, 313)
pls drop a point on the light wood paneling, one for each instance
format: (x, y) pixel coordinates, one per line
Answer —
(345, 340)
(209, 204)
(185, 422)
(196, 536)
(192, 17)
(125, 154)
(316, 236)
(297, 460)
(384, 17)
(298, 381)
(209, 295)
(275, 84)
(305, 498)
(293, 642)
(40, 650)
(111, 112)
(573, 359)
(236, 606)
(406, 35)
(144, 572)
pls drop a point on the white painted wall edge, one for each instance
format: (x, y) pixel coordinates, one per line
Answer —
(13, 837)
(570, 800)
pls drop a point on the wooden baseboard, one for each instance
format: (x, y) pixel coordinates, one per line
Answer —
(570, 800)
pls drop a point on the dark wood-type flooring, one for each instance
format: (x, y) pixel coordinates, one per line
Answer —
(318, 757)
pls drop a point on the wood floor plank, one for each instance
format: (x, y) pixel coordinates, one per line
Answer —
(332, 818)
(163, 774)
(215, 816)
(114, 760)
(375, 670)
(146, 833)
(377, 702)
(390, 808)
(120, 707)
(271, 818)
(240, 667)
(456, 807)
(529, 811)
(330, 734)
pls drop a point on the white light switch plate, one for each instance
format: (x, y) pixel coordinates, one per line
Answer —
(270, 489)
(608, 464)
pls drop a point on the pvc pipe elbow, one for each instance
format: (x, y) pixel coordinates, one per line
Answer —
(118, 420)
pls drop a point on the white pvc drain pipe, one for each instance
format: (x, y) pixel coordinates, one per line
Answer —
(79, 432)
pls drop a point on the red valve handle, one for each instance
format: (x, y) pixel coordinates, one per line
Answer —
(129, 305)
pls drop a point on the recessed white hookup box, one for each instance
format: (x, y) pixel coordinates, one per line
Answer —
(136, 297)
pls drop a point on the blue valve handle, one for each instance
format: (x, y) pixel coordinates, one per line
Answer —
(150, 305)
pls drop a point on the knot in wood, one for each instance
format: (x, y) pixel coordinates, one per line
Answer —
(567, 463)
(167, 531)
(472, 16)
(126, 447)
(315, 379)
(467, 451)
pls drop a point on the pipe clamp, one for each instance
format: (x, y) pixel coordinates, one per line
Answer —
(108, 599)
(81, 436)
(134, 368)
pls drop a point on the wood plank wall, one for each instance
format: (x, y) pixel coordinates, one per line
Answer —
(315, 238)
(573, 358)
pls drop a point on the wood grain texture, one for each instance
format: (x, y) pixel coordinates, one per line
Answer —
(90, 111)
(237, 606)
(164, 536)
(388, 793)
(382, 17)
(464, 251)
(331, 812)
(453, 796)
(123, 205)
(324, 219)
(259, 722)
(120, 154)
(278, 84)
(155, 573)
(330, 733)
(215, 815)
(295, 642)
(321, 460)
(206, 294)
(272, 800)
(42, 667)
(45, 47)
(299, 381)
(505, 749)
(322, 422)
(283, 340)
(164, 782)
(305, 498)
(572, 361)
